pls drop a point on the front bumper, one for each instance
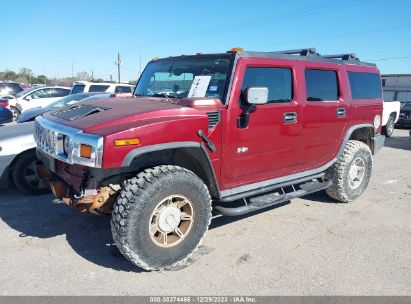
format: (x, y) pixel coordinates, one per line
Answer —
(378, 143)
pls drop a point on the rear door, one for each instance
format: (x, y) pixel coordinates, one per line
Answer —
(325, 113)
(270, 146)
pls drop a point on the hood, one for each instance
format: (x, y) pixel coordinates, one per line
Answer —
(93, 115)
(14, 131)
(30, 114)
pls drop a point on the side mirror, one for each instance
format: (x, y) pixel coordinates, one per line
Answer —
(28, 97)
(256, 95)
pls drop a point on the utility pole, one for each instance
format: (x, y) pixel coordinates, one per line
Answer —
(118, 62)
(72, 71)
(139, 74)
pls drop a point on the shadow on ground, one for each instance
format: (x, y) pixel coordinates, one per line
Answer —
(398, 142)
(89, 235)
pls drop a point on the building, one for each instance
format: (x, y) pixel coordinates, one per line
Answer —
(396, 87)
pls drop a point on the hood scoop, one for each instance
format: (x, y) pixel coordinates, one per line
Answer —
(78, 111)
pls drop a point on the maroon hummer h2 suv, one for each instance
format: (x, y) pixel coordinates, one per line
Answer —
(235, 132)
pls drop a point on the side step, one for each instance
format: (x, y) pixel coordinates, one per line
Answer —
(279, 196)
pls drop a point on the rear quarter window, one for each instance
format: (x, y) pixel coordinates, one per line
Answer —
(78, 88)
(365, 85)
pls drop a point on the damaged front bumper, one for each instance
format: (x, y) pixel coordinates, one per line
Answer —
(99, 200)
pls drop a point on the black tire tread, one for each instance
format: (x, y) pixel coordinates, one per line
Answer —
(134, 187)
(335, 172)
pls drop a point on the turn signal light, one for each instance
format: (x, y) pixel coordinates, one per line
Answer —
(85, 151)
(127, 142)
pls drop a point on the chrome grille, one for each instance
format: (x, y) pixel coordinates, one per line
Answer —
(45, 139)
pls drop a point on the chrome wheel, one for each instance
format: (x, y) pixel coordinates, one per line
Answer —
(16, 113)
(171, 221)
(356, 173)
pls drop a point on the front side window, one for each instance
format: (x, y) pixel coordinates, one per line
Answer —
(277, 80)
(98, 88)
(43, 93)
(187, 76)
(59, 92)
(321, 85)
(365, 85)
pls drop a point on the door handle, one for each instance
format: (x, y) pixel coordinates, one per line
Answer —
(341, 112)
(290, 117)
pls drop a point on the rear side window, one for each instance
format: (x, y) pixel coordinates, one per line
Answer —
(122, 89)
(98, 88)
(277, 80)
(321, 85)
(78, 88)
(365, 85)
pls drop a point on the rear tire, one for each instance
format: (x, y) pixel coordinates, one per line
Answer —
(351, 173)
(388, 129)
(161, 216)
(24, 174)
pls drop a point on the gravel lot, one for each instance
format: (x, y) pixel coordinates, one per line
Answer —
(311, 246)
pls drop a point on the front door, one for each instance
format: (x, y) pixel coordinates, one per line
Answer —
(269, 146)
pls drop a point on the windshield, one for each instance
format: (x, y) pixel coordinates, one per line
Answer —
(22, 93)
(406, 104)
(187, 76)
(66, 100)
(77, 88)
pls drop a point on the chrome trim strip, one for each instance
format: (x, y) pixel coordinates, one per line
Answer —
(287, 178)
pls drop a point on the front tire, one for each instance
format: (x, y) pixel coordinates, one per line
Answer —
(16, 113)
(351, 173)
(25, 176)
(389, 127)
(161, 216)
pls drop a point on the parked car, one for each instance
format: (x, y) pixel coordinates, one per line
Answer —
(18, 157)
(9, 89)
(252, 127)
(5, 115)
(109, 87)
(36, 97)
(405, 115)
(4, 102)
(32, 113)
(390, 115)
(18, 154)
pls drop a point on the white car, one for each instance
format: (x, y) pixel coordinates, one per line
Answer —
(390, 115)
(36, 97)
(108, 87)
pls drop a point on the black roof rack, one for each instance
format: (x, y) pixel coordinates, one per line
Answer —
(301, 52)
(349, 57)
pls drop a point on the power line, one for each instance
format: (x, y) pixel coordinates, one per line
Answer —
(387, 59)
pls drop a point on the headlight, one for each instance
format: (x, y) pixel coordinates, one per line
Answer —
(67, 146)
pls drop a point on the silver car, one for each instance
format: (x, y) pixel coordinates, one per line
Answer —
(18, 157)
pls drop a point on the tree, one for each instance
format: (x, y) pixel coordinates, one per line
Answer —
(26, 72)
(42, 79)
(83, 76)
(10, 75)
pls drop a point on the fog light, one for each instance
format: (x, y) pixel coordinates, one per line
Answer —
(377, 121)
(85, 151)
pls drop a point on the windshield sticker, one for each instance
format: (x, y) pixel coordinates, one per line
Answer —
(199, 86)
(213, 88)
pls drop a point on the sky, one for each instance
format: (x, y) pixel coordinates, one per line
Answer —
(51, 37)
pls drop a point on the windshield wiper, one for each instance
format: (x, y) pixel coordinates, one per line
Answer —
(167, 97)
